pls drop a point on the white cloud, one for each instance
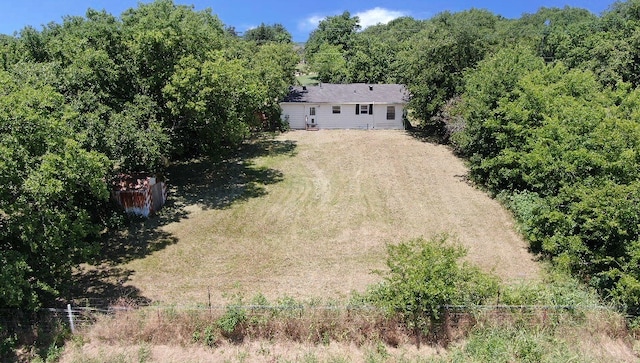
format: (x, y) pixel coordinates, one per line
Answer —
(367, 18)
(310, 23)
(378, 15)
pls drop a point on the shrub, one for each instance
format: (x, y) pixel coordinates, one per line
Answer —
(231, 322)
(423, 277)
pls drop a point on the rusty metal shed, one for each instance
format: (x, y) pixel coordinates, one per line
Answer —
(140, 194)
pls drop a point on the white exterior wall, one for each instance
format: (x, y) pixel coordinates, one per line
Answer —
(380, 117)
(295, 113)
(347, 119)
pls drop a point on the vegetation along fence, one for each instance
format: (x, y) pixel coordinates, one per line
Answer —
(80, 314)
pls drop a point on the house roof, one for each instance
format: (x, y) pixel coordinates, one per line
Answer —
(349, 93)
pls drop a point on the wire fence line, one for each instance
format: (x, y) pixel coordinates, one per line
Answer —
(302, 307)
(74, 316)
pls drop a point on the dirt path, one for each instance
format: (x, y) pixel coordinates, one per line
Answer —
(322, 228)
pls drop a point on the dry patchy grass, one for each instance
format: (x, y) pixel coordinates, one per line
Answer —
(309, 214)
(167, 335)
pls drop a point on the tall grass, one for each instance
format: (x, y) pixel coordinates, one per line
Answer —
(530, 333)
(283, 320)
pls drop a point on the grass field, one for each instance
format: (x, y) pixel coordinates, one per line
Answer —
(308, 79)
(308, 214)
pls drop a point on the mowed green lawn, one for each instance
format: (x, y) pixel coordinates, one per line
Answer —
(308, 215)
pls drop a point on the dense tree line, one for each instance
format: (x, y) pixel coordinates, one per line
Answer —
(100, 94)
(545, 109)
(552, 127)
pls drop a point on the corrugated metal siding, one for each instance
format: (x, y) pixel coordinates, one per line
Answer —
(158, 196)
(144, 201)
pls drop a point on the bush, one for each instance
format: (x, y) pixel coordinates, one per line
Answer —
(423, 277)
(232, 322)
(7, 344)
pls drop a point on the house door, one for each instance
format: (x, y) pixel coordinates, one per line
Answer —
(311, 118)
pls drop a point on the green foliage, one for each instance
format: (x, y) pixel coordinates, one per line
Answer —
(53, 354)
(52, 193)
(372, 59)
(138, 140)
(559, 145)
(101, 94)
(8, 343)
(275, 66)
(555, 289)
(157, 35)
(212, 100)
(268, 33)
(335, 31)
(494, 80)
(511, 344)
(429, 56)
(287, 306)
(208, 336)
(424, 276)
(434, 61)
(231, 322)
(330, 64)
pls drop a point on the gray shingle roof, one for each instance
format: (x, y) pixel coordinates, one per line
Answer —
(349, 93)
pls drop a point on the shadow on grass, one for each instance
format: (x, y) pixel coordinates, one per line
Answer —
(213, 184)
(101, 286)
(433, 133)
(208, 183)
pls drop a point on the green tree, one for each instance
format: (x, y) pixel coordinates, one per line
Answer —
(52, 196)
(136, 140)
(92, 69)
(370, 60)
(274, 65)
(562, 148)
(157, 35)
(330, 64)
(213, 102)
(263, 33)
(493, 82)
(8, 52)
(550, 30)
(336, 31)
(435, 60)
(423, 277)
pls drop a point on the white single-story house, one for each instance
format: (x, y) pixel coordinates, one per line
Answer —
(345, 106)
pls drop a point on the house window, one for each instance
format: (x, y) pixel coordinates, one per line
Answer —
(312, 111)
(336, 109)
(391, 112)
(364, 109)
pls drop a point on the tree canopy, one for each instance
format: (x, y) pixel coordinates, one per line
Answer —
(263, 33)
(544, 107)
(98, 95)
(545, 110)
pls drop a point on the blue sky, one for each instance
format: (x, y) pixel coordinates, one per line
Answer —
(299, 17)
